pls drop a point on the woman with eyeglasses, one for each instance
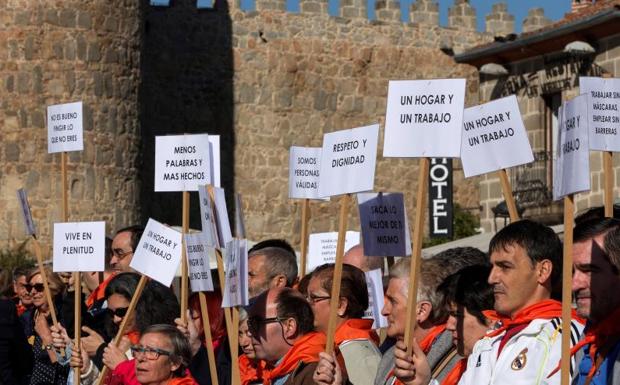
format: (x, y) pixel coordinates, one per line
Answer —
(355, 341)
(36, 323)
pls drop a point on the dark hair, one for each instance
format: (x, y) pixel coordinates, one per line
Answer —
(181, 352)
(596, 213)
(302, 286)
(291, 304)
(281, 243)
(469, 288)
(278, 261)
(540, 242)
(594, 227)
(108, 253)
(456, 258)
(136, 233)
(352, 287)
(21, 271)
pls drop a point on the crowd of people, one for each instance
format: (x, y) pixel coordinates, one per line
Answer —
(481, 318)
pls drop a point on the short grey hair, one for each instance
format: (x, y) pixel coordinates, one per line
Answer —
(278, 261)
(181, 352)
(243, 315)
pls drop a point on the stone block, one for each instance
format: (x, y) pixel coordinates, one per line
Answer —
(66, 17)
(93, 52)
(84, 20)
(11, 151)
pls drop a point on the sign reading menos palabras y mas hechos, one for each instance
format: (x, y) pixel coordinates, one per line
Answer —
(322, 247)
(182, 162)
(374, 283)
(304, 167)
(572, 164)
(423, 118)
(25, 209)
(64, 127)
(79, 246)
(440, 198)
(603, 112)
(494, 137)
(198, 262)
(236, 267)
(385, 231)
(348, 160)
(158, 253)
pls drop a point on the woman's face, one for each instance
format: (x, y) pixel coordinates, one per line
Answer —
(245, 341)
(197, 320)
(154, 366)
(117, 306)
(37, 292)
(319, 302)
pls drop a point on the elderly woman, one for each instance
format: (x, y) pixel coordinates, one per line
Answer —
(250, 368)
(355, 341)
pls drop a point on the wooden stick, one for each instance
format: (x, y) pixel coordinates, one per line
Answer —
(65, 188)
(123, 325)
(510, 200)
(567, 273)
(335, 295)
(609, 183)
(206, 325)
(184, 277)
(305, 216)
(46, 287)
(416, 257)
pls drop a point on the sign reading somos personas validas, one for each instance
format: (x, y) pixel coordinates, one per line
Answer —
(182, 162)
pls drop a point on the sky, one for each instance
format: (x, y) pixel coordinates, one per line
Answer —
(554, 9)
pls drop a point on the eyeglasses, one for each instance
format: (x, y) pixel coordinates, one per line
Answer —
(312, 299)
(120, 253)
(38, 287)
(255, 322)
(120, 312)
(149, 353)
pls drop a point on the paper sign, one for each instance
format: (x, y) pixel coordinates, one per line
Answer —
(239, 221)
(64, 127)
(348, 160)
(603, 112)
(182, 162)
(572, 165)
(214, 153)
(26, 214)
(322, 247)
(221, 217)
(494, 137)
(236, 267)
(383, 222)
(158, 253)
(199, 271)
(207, 217)
(79, 246)
(375, 298)
(304, 167)
(423, 118)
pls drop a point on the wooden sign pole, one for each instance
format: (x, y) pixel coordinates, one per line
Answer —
(510, 200)
(567, 273)
(206, 324)
(184, 278)
(305, 216)
(416, 257)
(609, 183)
(123, 326)
(46, 288)
(335, 294)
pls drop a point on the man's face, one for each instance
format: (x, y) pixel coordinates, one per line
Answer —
(154, 371)
(514, 279)
(267, 334)
(122, 253)
(593, 277)
(258, 281)
(19, 286)
(466, 329)
(395, 307)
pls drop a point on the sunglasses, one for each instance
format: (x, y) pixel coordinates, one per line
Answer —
(120, 312)
(38, 287)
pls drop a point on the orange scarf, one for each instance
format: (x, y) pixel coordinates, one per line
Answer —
(187, 380)
(99, 292)
(134, 337)
(305, 349)
(453, 377)
(356, 329)
(251, 371)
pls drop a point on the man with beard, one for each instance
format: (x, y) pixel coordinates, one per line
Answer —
(270, 266)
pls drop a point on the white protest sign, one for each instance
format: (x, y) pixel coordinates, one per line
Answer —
(603, 112)
(221, 216)
(182, 162)
(322, 247)
(494, 137)
(304, 167)
(348, 160)
(79, 246)
(207, 217)
(214, 163)
(199, 271)
(65, 128)
(25, 209)
(385, 231)
(374, 283)
(571, 172)
(158, 253)
(236, 267)
(423, 118)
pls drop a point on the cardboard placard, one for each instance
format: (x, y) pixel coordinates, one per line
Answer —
(79, 246)
(158, 253)
(374, 283)
(207, 217)
(423, 118)
(603, 112)
(221, 217)
(322, 247)
(199, 271)
(65, 128)
(22, 197)
(304, 168)
(214, 153)
(348, 160)
(494, 137)
(572, 165)
(182, 162)
(383, 220)
(236, 267)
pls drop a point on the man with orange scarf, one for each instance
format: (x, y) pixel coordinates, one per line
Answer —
(596, 259)
(281, 323)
